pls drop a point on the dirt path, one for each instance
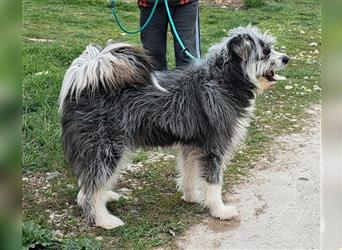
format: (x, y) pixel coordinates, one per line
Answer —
(279, 205)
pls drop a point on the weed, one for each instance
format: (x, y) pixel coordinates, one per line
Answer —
(35, 237)
(81, 244)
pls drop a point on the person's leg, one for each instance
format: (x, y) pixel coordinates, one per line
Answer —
(153, 37)
(186, 19)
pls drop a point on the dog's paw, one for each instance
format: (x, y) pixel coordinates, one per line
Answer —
(112, 196)
(108, 221)
(225, 212)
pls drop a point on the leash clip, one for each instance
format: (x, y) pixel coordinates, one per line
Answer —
(185, 50)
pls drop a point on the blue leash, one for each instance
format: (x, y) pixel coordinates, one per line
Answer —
(185, 50)
(118, 21)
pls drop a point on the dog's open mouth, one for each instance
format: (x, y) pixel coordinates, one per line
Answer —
(270, 76)
(273, 77)
(269, 79)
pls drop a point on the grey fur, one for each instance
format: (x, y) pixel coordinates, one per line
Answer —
(207, 108)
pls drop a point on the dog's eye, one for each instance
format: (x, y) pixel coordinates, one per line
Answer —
(267, 51)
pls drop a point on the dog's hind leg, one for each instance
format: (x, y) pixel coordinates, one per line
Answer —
(189, 179)
(95, 182)
(212, 188)
(95, 211)
(110, 194)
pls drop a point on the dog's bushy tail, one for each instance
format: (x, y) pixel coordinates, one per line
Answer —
(116, 66)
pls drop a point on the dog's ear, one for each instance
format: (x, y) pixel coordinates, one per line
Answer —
(240, 46)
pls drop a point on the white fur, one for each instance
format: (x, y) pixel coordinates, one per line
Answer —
(156, 84)
(213, 200)
(102, 217)
(189, 180)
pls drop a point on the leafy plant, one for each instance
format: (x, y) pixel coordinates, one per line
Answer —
(34, 236)
(81, 244)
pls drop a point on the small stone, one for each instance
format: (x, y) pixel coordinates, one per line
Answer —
(303, 179)
(268, 112)
(316, 52)
(99, 238)
(313, 44)
(58, 234)
(125, 191)
(172, 233)
(302, 32)
(52, 175)
(169, 157)
(317, 88)
(51, 217)
(42, 73)
(288, 87)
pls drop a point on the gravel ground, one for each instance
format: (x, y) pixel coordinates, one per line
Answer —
(279, 204)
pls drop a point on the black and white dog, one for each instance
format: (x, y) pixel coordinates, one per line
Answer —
(113, 103)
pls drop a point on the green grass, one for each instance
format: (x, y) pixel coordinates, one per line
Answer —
(254, 3)
(155, 208)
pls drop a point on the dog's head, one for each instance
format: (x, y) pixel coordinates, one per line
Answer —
(254, 51)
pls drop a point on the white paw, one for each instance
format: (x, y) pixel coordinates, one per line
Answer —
(224, 212)
(108, 221)
(112, 196)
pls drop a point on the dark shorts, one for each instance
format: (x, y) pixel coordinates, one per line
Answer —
(154, 36)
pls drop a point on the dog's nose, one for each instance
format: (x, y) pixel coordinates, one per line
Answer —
(285, 59)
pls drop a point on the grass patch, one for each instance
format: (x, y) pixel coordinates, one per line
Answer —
(254, 3)
(155, 211)
(140, 157)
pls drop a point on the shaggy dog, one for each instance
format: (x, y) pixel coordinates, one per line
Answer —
(112, 103)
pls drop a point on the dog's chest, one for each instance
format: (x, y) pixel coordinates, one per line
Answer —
(240, 127)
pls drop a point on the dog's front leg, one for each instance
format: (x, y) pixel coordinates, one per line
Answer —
(213, 187)
(189, 179)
